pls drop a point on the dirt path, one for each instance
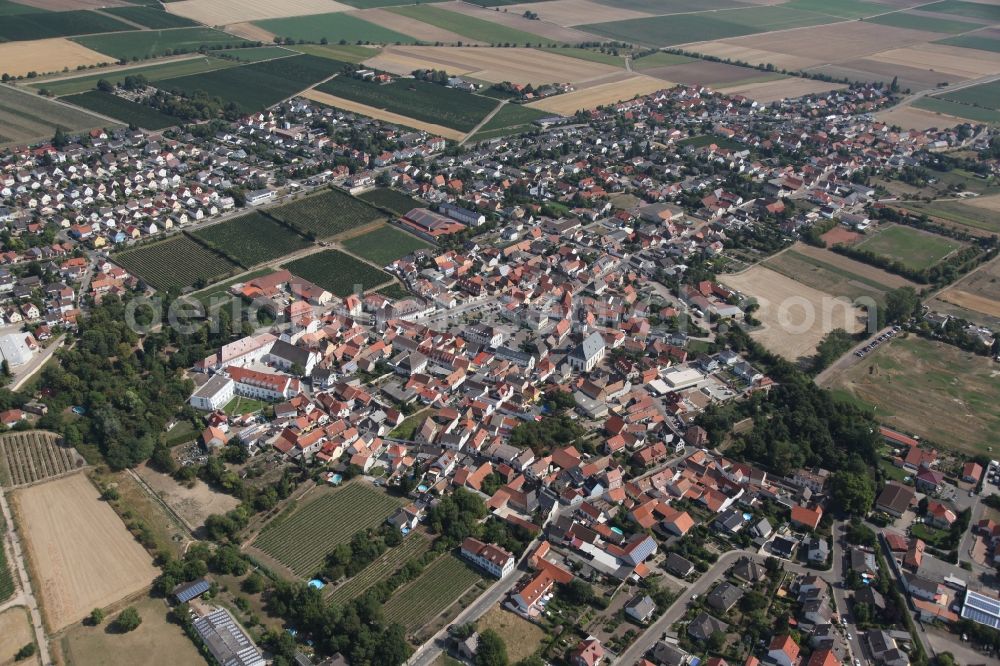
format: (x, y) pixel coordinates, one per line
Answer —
(482, 122)
(27, 595)
(121, 19)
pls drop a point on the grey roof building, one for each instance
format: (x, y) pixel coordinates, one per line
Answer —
(724, 596)
(704, 626)
(227, 641)
(588, 353)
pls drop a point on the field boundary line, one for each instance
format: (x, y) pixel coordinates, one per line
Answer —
(488, 118)
(162, 503)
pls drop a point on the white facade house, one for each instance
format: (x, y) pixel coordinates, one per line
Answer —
(214, 394)
(588, 353)
(494, 559)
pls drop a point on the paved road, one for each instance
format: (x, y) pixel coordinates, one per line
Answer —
(26, 593)
(27, 371)
(839, 591)
(849, 359)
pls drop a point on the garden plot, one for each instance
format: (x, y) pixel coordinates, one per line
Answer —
(32, 456)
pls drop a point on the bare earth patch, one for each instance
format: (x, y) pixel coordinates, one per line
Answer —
(576, 12)
(909, 117)
(381, 114)
(840, 235)
(599, 95)
(771, 91)
(224, 12)
(80, 553)
(15, 633)
(193, 505)
(518, 65)
(794, 317)
(46, 55)
(551, 31)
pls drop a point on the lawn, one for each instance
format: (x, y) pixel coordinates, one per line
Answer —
(240, 405)
(128, 112)
(339, 273)
(522, 638)
(437, 588)
(333, 27)
(932, 536)
(913, 248)
(328, 213)
(167, 70)
(935, 390)
(920, 22)
(301, 537)
(43, 25)
(468, 26)
(957, 212)
(684, 28)
(261, 84)
(428, 102)
(384, 245)
(177, 262)
(385, 566)
(408, 428)
(143, 44)
(391, 200)
(252, 239)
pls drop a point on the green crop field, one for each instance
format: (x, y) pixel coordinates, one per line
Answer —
(468, 26)
(920, 22)
(981, 42)
(9, 8)
(339, 273)
(132, 113)
(258, 54)
(391, 200)
(419, 100)
(328, 213)
(152, 72)
(985, 95)
(659, 59)
(301, 539)
(26, 118)
(848, 9)
(258, 85)
(143, 44)
(976, 10)
(334, 27)
(252, 239)
(177, 262)
(958, 212)
(352, 53)
(437, 588)
(374, 4)
(156, 19)
(591, 55)
(913, 248)
(384, 245)
(385, 566)
(672, 6)
(684, 28)
(939, 105)
(511, 119)
(495, 3)
(22, 27)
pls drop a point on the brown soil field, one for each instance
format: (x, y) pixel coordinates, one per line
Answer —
(576, 12)
(224, 12)
(522, 638)
(771, 91)
(944, 59)
(70, 5)
(15, 633)
(912, 77)
(599, 95)
(251, 32)
(840, 235)
(975, 297)
(908, 117)
(159, 641)
(519, 65)
(46, 55)
(732, 51)
(193, 505)
(556, 33)
(80, 554)
(416, 29)
(703, 72)
(832, 43)
(794, 317)
(381, 114)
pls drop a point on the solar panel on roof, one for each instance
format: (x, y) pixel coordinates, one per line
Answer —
(982, 609)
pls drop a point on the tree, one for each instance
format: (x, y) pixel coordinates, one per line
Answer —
(715, 641)
(254, 583)
(96, 616)
(901, 304)
(491, 650)
(25, 652)
(852, 492)
(128, 620)
(105, 86)
(753, 601)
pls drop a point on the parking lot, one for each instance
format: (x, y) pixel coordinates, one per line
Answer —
(874, 344)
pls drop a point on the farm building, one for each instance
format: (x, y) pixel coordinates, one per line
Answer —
(185, 592)
(430, 225)
(226, 640)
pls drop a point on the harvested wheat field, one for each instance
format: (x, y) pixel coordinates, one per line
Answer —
(80, 553)
(818, 45)
(550, 31)
(224, 12)
(706, 73)
(381, 114)
(193, 504)
(733, 51)
(70, 5)
(599, 95)
(15, 633)
(254, 33)
(909, 117)
(940, 58)
(46, 55)
(425, 32)
(518, 65)
(771, 91)
(976, 302)
(991, 203)
(576, 12)
(794, 318)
